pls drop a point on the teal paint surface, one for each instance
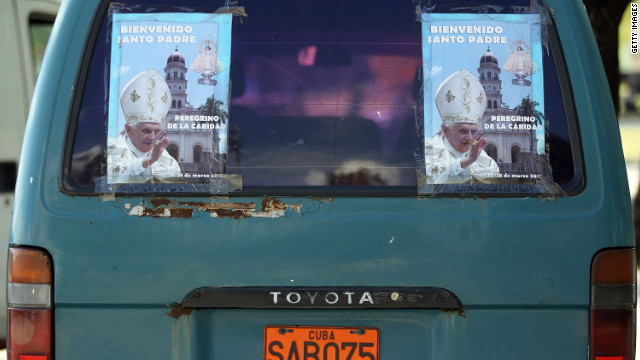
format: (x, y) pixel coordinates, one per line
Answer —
(520, 266)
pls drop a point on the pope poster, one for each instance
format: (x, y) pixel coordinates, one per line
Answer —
(483, 99)
(168, 98)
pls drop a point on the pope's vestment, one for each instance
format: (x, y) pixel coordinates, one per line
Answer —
(443, 164)
(124, 163)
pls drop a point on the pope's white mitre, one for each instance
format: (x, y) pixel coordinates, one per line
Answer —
(146, 98)
(461, 98)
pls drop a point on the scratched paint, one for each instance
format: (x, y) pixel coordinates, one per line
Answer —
(164, 207)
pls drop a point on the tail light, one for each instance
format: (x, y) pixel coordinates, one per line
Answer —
(613, 302)
(29, 304)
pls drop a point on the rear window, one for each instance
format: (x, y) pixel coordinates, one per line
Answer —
(322, 97)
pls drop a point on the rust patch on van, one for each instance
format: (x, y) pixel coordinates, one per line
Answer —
(177, 311)
(164, 207)
(236, 214)
(271, 204)
(213, 206)
(181, 212)
(154, 212)
(274, 208)
(223, 210)
(157, 202)
(460, 311)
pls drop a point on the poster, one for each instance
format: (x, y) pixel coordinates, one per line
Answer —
(483, 99)
(168, 98)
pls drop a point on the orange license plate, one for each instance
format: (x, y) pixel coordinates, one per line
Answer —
(320, 343)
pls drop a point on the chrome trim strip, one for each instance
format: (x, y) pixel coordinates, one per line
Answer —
(321, 298)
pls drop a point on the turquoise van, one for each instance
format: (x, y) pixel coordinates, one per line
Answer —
(29, 23)
(322, 179)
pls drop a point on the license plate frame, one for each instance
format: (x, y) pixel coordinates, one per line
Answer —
(321, 342)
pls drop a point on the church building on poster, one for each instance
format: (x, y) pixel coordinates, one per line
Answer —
(191, 147)
(514, 150)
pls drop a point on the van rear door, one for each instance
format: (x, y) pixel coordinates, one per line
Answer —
(326, 179)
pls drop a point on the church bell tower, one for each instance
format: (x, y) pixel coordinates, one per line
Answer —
(175, 75)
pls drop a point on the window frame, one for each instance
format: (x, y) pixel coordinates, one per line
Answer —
(575, 186)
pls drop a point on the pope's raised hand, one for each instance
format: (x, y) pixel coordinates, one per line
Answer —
(158, 148)
(476, 149)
